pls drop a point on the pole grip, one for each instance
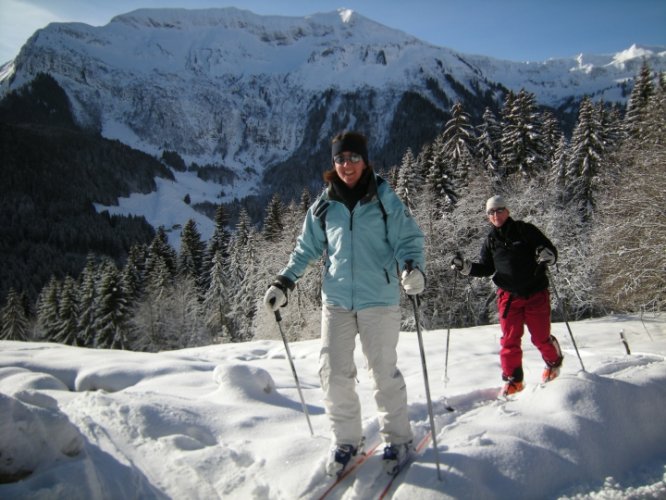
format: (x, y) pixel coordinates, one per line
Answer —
(278, 316)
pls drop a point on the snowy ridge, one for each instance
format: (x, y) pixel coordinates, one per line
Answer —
(226, 420)
(230, 88)
(215, 71)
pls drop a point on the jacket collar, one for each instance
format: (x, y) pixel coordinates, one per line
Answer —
(364, 191)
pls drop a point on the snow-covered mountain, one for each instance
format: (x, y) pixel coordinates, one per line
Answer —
(262, 95)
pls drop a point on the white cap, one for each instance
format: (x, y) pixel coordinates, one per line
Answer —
(495, 202)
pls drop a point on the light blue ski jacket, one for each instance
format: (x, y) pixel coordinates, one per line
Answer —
(364, 253)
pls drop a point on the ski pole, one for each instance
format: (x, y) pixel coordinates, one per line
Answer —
(278, 319)
(564, 316)
(433, 430)
(645, 326)
(624, 341)
(448, 333)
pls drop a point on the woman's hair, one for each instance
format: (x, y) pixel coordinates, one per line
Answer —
(347, 141)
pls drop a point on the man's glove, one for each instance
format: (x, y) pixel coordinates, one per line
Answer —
(461, 264)
(275, 298)
(545, 256)
(413, 281)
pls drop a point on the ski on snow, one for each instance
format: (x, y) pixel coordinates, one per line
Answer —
(351, 469)
(418, 451)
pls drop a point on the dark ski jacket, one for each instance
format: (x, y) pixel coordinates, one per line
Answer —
(509, 255)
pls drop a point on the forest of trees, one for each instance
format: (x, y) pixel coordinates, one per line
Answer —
(598, 195)
(52, 173)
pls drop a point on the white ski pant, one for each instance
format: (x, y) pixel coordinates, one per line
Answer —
(378, 328)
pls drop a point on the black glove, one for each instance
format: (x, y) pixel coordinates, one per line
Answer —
(462, 265)
(545, 255)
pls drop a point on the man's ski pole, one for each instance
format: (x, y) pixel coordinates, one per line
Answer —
(564, 316)
(448, 333)
(278, 319)
(433, 430)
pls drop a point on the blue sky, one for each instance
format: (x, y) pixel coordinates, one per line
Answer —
(518, 30)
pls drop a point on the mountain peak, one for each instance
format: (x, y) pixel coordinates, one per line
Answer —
(633, 52)
(345, 15)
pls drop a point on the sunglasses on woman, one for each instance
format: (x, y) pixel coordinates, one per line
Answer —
(342, 159)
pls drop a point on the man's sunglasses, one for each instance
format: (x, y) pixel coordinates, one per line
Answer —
(494, 211)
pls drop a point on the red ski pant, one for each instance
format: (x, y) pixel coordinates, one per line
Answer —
(514, 313)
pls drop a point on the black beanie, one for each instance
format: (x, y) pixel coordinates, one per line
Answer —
(352, 142)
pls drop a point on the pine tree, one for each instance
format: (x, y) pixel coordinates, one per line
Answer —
(13, 319)
(48, 306)
(558, 172)
(133, 272)
(219, 242)
(587, 152)
(160, 249)
(216, 301)
(521, 142)
(488, 143)
(509, 140)
(551, 136)
(112, 318)
(242, 267)
(440, 178)
(150, 320)
(638, 104)
(150, 317)
(609, 126)
(68, 328)
(87, 300)
(459, 144)
(273, 225)
(160, 280)
(408, 180)
(191, 256)
(247, 292)
(655, 129)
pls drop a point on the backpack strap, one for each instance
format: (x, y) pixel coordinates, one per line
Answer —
(319, 211)
(380, 181)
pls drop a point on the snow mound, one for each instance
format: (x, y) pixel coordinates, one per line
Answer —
(34, 434)
(250, 381)
(13, 380)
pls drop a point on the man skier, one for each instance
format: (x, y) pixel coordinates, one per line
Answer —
(515, 254)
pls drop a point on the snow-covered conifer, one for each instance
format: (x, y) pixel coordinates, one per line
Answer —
(48, 309)
(191, 255)
(87, 301)
(637, 104)
(67, 331)
(111, 318)
(273, 225)
(409, 183)
(586, 155)
(13, 319)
